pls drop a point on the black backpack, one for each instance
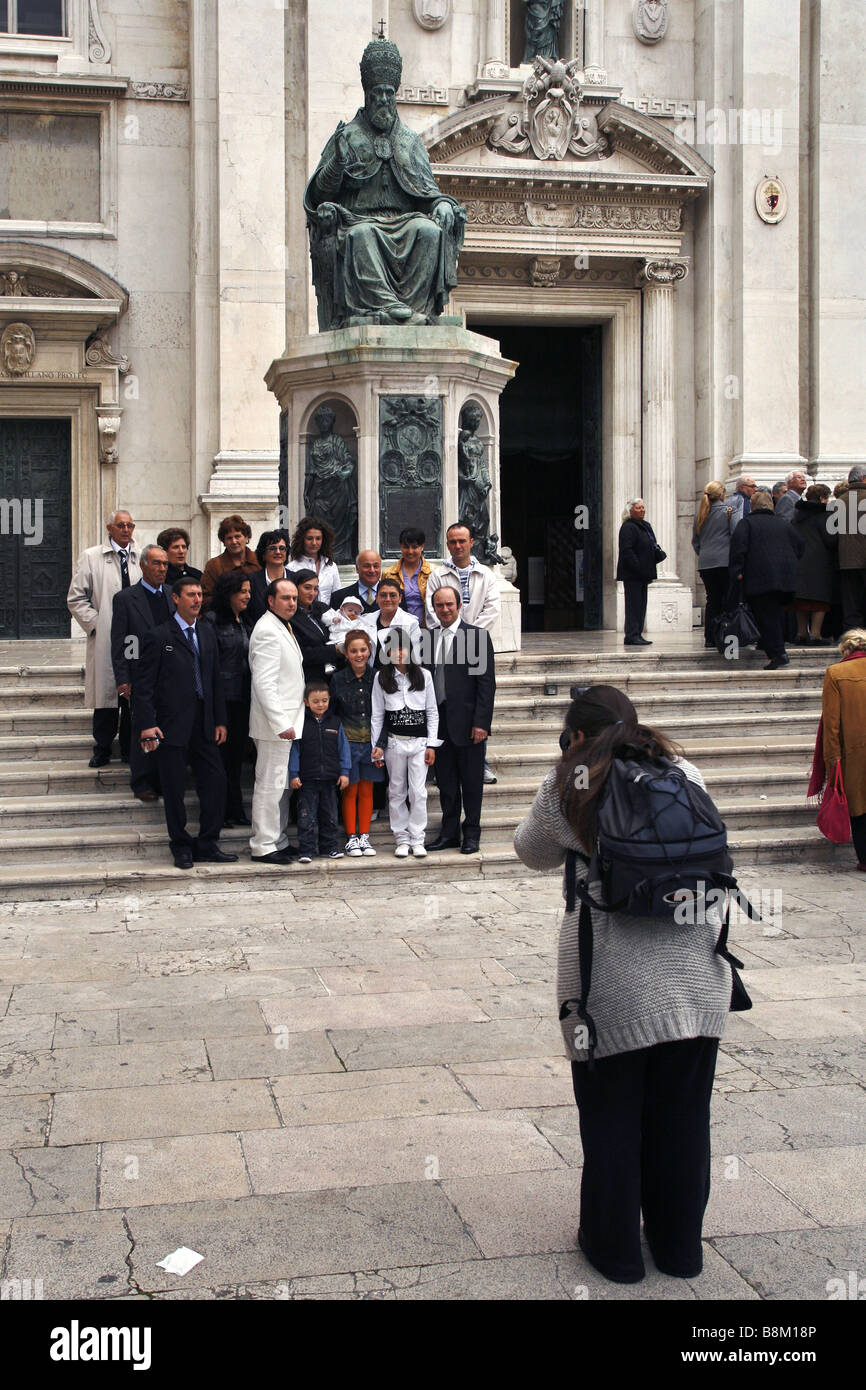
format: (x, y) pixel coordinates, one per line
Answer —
(661, 851)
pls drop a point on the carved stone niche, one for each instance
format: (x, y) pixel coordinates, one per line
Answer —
(331, 473)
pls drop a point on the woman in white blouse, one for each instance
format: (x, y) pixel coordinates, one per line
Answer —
(405, 710)
(312, 548)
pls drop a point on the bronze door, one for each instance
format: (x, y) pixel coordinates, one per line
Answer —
(35, 527)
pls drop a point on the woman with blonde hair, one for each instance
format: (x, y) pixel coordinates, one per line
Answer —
(711, 542)
(842, 734)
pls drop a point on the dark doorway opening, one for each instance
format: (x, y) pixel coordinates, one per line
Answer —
(550, 472)
(35, 527)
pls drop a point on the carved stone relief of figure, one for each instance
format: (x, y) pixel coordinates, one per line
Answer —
(543, 19)
(330, 486)
(650, 20)
(431, 14)
(550, 122)
(473, 477)
(18, 347)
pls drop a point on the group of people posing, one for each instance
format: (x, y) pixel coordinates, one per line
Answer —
(796, 556)
(339, 688)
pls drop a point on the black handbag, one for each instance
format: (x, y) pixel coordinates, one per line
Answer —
(740, 624)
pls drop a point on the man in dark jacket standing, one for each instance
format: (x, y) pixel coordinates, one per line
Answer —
(639, 554)
(763, 565)
(464, 680)
(849, 521)
(181, 706)
(135, 611)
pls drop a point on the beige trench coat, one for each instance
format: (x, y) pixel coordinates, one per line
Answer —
(95, 581)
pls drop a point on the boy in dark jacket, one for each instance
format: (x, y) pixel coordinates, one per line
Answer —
(319, 766)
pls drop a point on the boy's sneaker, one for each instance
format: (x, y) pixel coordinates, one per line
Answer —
(401, 852)
(365, 847)
(354, 848)
(305, 859)
(419, 851)
(335, 854)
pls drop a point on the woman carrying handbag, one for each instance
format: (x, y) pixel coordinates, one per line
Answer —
(840, 748)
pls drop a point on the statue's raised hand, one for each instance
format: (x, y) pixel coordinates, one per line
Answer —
(443, 213)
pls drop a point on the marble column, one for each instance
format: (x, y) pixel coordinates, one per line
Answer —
(659, 421)
(593, 41)
(670, 605)
(493, 58)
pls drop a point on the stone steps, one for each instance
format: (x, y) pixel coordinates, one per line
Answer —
(70, 831)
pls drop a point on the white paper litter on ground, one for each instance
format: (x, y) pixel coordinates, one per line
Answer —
(180, 1261)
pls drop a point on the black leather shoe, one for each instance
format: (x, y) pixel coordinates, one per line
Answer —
(277, 856)
(470, 847)
(443, 844)
(183, 859)
(99, 760)
(644, 642)
(214, 856)
(632, 642)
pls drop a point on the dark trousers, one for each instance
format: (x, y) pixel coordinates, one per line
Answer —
(460, 779)
(232, 752)
(105, 722)
(317, 816)
(716, 584)
(203, 756)
(645, 1130)
(635, 605)
(143, 767)
(853, 586)
(770, 617)
(858, 835)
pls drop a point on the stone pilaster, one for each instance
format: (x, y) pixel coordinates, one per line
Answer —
(672, 602)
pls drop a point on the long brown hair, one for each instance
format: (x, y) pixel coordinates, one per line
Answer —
(609, 723)
(713, 492)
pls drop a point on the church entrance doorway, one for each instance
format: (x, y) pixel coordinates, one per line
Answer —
(550, 472)
(35, 527)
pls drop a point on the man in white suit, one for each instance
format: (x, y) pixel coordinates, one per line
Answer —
(101, 572)
(276, 719)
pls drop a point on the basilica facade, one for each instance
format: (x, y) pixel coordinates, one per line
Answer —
(659, 233)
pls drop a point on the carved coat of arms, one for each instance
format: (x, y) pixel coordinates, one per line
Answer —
(551, 122)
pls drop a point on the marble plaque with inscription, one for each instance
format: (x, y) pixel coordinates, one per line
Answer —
(49, 167)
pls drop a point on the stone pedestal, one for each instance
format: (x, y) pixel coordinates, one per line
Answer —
(362, 373)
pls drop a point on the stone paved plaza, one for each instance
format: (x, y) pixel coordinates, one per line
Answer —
(366, 1097)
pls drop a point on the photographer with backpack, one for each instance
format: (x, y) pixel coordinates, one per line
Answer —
(644, 977)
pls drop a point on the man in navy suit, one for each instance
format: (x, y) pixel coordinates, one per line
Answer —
(369, 567)
(464, 680)
(180, 703)
(135, 611)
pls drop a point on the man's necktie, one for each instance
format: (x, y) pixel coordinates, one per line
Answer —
(439, 671)
(190, 637)
(124, 569)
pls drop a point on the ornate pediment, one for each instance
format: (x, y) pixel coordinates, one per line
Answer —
(31, 271)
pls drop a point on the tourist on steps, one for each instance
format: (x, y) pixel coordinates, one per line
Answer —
(764, 554)
(639, 556)
(711, 542)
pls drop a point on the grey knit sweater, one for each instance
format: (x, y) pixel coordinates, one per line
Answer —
(653, 981)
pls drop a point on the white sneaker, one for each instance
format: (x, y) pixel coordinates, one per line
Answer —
(305, 859)
(419, 851)
(335, 854)
(365, 847)
(353, 847)
(401, 852)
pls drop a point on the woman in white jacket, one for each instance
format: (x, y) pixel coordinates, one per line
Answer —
(405, 709)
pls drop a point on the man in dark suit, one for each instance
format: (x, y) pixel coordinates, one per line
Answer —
(135, 611)
(464, 679)
(369, 567)
(180, 703)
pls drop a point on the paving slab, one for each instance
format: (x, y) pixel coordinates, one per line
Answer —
(519, 1213)
(177, 990)
(277, 1053)
(41, 1182)
(32, 1032)
(82, 1255)
(468, 975)
(374, 1049)
(796, 1118)
(154, 1171)
(223, 1018)
(369, 1152)
(308, 1233)
(24, 1121)
(387, 1010)
(86, 1027)
(161, 1111)
(743, 1200)
(92, 1068)
(512, 1085)
(811, 1265)
(807, 981)
(825, 1183)
(369, 1095)
(792, 1063)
